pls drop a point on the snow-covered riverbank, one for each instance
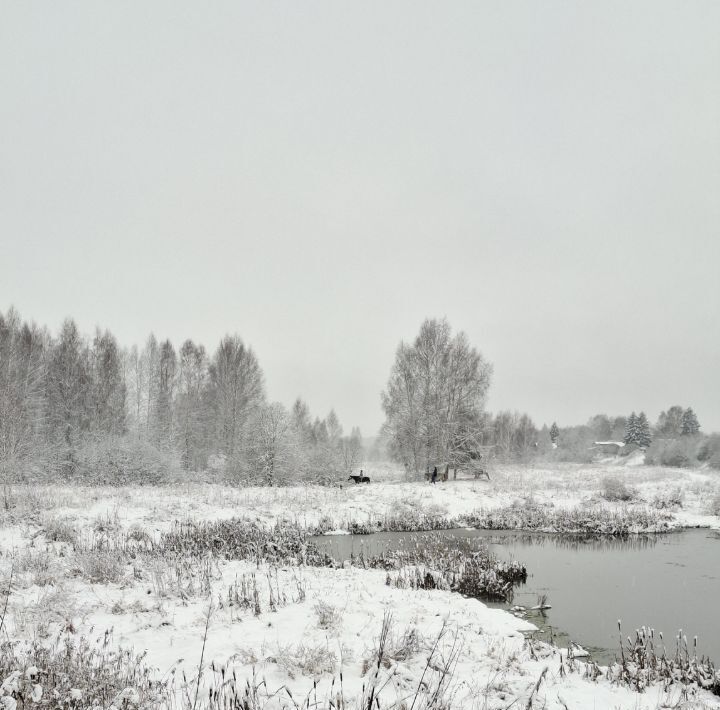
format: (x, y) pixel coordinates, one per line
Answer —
(291, 626)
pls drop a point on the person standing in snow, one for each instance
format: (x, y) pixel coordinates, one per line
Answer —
(434, 475)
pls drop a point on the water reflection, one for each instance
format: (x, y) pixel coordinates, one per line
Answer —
(574, 542)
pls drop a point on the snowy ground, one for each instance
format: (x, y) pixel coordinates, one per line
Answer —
(563, 485)
(325, 621)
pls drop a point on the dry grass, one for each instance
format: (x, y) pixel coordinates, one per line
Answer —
(59, 529)
(77, 673)
(312, 660)
(99, 566)
(329, 617)
(40, 567)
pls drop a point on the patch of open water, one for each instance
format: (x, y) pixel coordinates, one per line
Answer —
(667, 582)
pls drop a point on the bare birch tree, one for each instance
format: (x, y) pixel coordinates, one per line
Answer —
(272, 447)
(191, 410)
(437, 387)
(22, 378)
(237, 387)
(108, 389)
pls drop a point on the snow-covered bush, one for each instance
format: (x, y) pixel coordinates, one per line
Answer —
(709, 451)
(613, 489)
(678, 453)
(120, 461)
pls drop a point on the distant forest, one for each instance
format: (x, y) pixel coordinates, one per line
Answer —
(86, 409)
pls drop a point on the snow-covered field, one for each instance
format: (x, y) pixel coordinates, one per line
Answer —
(291, 626)
(563, 486)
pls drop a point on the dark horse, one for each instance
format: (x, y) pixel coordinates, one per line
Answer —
(359, 479)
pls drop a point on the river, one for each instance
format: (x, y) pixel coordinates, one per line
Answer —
(666, 582)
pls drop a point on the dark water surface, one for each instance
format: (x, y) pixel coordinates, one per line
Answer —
(666, 582)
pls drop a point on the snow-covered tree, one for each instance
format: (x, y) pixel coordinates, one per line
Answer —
(630, 436)
(689, 424)
(69, 404)
(191, 410)
(601, 427)
(164, 404)
(554, 433)
(334, 428)
(436, 386)
(236, 390)
(108, 389)
(272, 446)
(642, 436)
(351, 449)
(22, 387)
(669, 423)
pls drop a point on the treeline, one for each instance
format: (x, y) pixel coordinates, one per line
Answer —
(675, 439)
(74, 407)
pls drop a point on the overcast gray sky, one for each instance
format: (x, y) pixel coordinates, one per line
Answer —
(321, 176)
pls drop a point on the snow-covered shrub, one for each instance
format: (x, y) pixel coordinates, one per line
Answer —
(714, 507)
(613, 489)
(120, 461)
(678, 453)
(709, 451)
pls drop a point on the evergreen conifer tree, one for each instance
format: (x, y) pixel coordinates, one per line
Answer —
(642, 436)
(631, 430)
(689, 423)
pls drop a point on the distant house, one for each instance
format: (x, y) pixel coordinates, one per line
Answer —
(611, 448)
